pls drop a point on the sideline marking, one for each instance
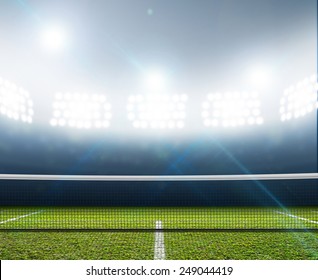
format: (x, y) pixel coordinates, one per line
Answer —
(297, 217)
(20, 217)
(159, 243)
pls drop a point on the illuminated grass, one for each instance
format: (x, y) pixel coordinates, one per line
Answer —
(242, 246)
(140, 245)
(76, 245)
(145, 217)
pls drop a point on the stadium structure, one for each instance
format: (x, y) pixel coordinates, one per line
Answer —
(153, 164)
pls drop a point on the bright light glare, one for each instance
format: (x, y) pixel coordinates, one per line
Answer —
(260, 77)
(81, 111)
(155, 80)
(54, 38)
(231, 109)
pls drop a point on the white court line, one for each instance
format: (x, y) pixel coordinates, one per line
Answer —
(297, 217)
(20, 217)
(159, 243)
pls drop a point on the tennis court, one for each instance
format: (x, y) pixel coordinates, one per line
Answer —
(133, 233)
(172, 218)
(158, 130)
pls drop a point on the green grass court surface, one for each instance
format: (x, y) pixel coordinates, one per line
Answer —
(248, 233)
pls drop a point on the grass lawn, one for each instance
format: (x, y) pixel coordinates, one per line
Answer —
(197, 245)
(76, 245)
(242, 245)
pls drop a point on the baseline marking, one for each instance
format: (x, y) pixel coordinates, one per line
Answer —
(297, 217)
(20, 217)
(159, 243)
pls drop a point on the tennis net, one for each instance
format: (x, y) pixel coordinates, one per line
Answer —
(201, 202)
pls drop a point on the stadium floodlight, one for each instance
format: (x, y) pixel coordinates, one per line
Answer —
(54, 37)
(15, 102)
(155, 80)
(156, 111)
(260, 76)
(231, 109)
(300, 99)
(81, 111)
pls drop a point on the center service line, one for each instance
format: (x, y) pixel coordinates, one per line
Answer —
(159, 243)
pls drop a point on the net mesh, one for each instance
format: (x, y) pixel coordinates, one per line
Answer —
(74, 203)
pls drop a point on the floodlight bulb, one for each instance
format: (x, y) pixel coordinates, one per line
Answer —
(155, 81)
(53, 122)
(54, 38)
(260, 77)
